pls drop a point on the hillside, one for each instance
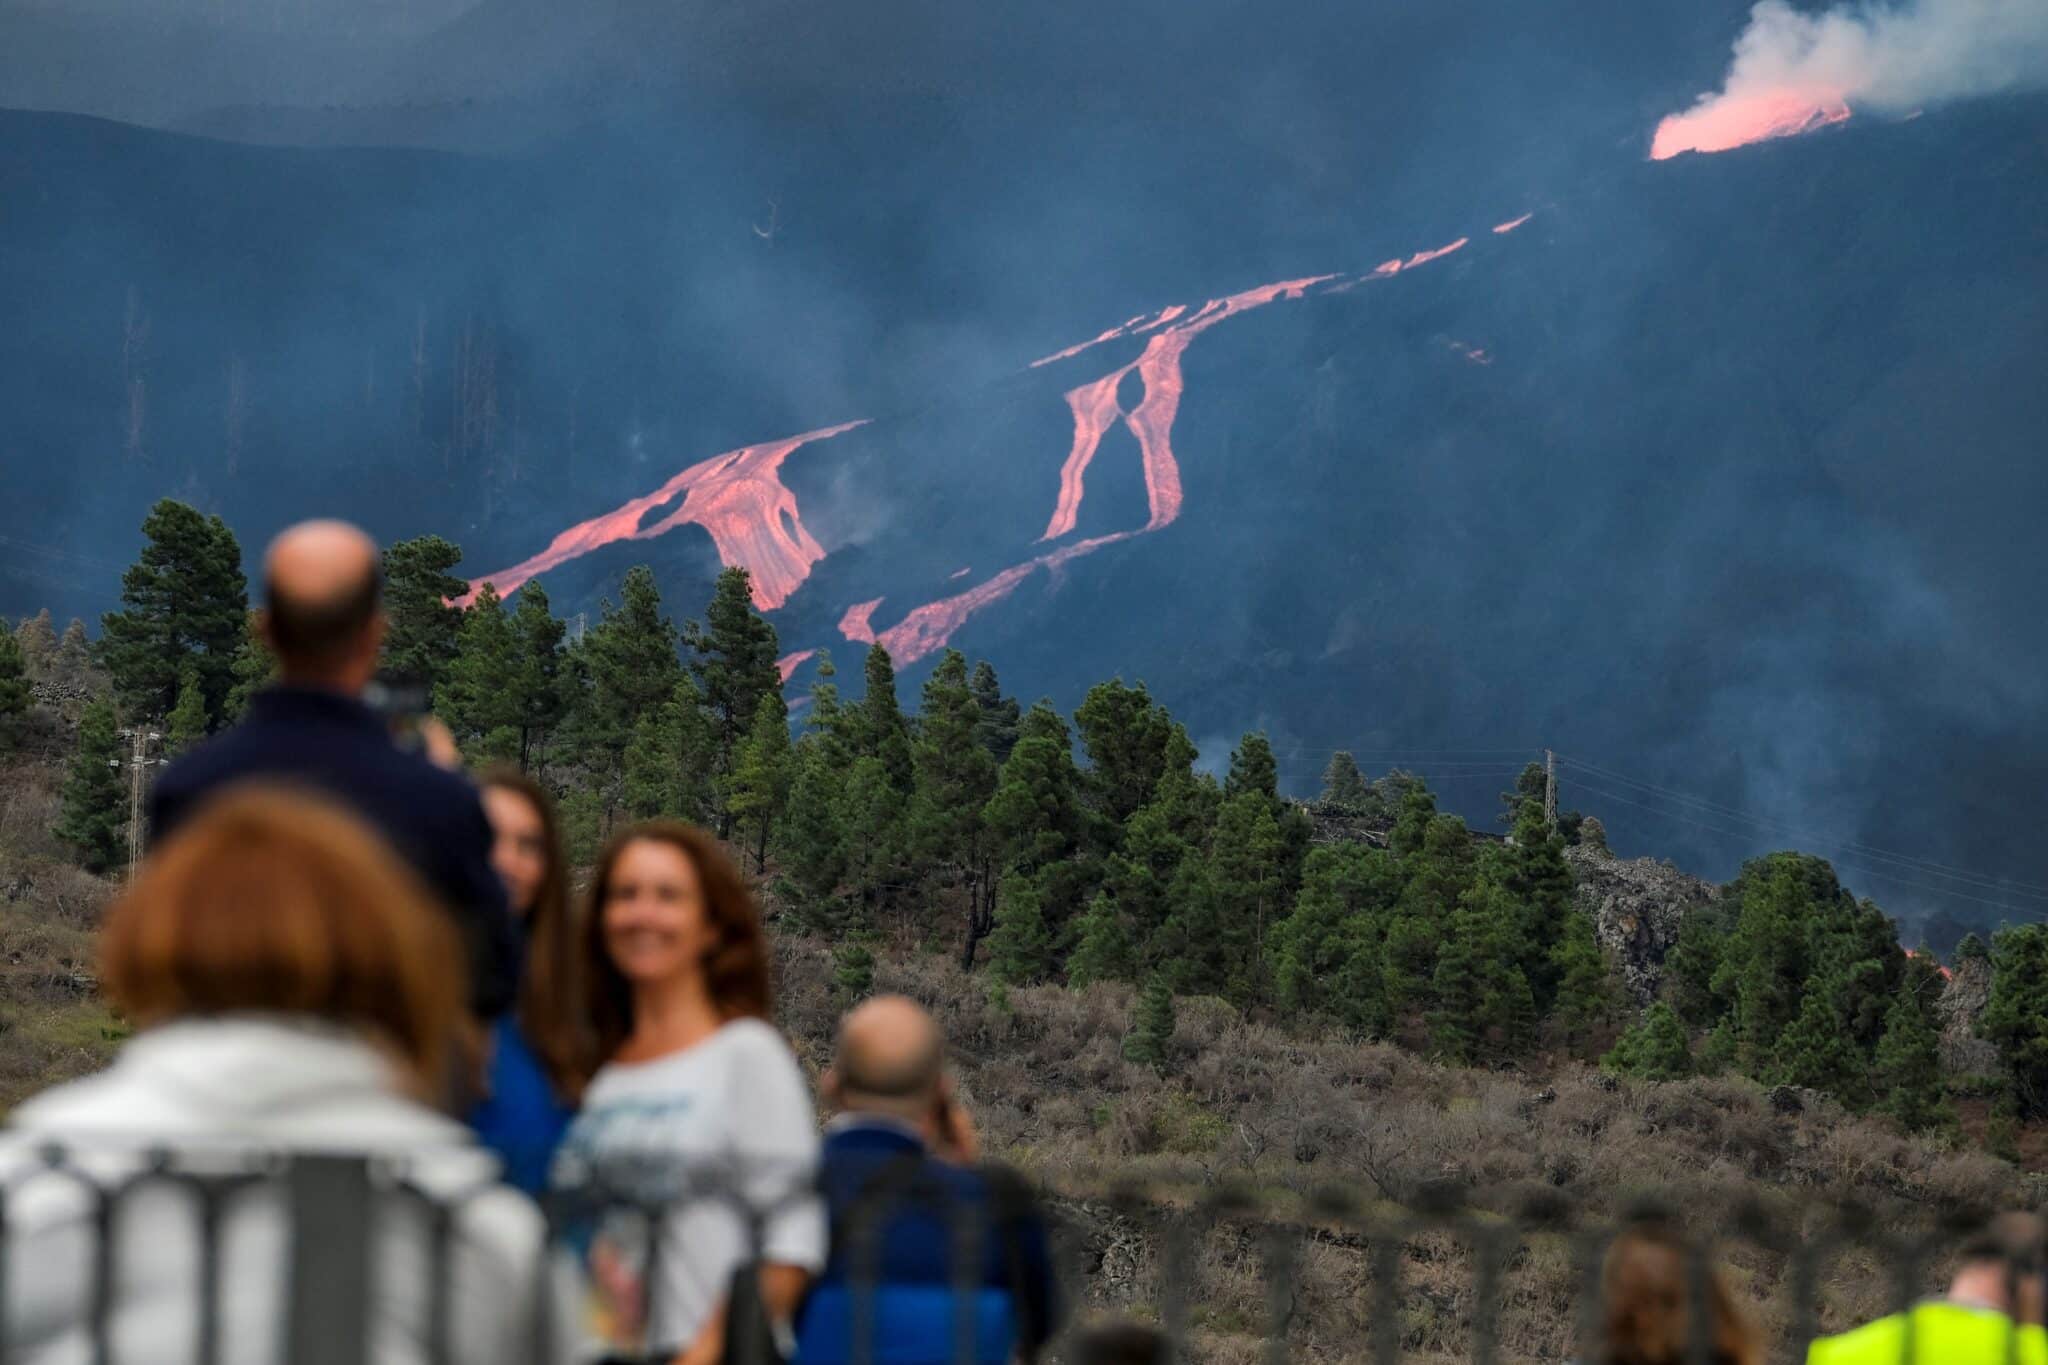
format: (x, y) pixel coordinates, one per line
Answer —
(1586, 458)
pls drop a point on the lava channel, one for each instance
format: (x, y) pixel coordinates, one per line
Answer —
(738, 497)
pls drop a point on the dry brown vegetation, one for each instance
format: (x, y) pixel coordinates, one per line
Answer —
(1283, 1116)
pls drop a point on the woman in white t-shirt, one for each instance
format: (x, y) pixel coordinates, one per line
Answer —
(699, 1106)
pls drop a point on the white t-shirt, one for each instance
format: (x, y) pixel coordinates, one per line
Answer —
(720, 1134)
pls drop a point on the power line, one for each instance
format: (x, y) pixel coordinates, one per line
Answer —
(1850, 860)
(1919, 866)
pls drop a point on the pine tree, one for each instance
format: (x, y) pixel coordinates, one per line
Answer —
(1542, 882)
(735, 668)
(95, 795)
(1693, 963)
(475, 694)
(666, 768)
(539, 697)
(1908, 1069)
(1344, 786)
(1327, 953)
(1151, 1038)
(1125, 733)
(1655, 1049)
(1971, 949)
(870, 816)
(1818, 1052)
(627, 671)
(1482, 1004)
(996, 728)
(1246, 874)
(853, 972)
(1416, 811)
(955, 778)
(187, 723)
(424, 631)
(1104, 951)
(2016, 1017)
(808, 839)
(38, 640)
(1034, 814)
(1020, 950)
(14, 689)
(1253, 769)
(183, 606)
(254, 670)
(883, 734)
(758, 789)
(1586, 997)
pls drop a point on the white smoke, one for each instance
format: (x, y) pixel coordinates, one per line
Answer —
(1892, 59)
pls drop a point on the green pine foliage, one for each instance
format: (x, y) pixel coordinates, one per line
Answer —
(1908, 1072)
(735, 669)
(995, 728)
(756, 791)
(1020, 950)
(95, 798)
(1655, 1049)
(1104, 951)
(14, 688)
(474, 695)
(1344, 786)
(184, 605)
(187, 723)
(1150, 1042)
(424, 631)
(853, 972)
(2016, 1018)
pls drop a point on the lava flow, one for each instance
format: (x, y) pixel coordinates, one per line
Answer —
(738, 497)
(788, 664)
(1097, 407)
(1502, 229)
(1722, 122)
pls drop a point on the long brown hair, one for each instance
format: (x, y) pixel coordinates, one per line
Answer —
(550, 1005)
(275, 901)
(1648, 1287)
(735, 967)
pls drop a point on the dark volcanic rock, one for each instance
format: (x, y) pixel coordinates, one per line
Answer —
(1637, 905)
(1961, 1006)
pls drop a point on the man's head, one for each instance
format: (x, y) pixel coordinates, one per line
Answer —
(322, 610)
(2003, 1267)
(891, 1061)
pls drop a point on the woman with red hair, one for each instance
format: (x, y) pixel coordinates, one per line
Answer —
(695, 1103)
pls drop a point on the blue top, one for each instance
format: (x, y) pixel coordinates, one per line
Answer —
(431, 816)
(521, 1118)
(913, 1214)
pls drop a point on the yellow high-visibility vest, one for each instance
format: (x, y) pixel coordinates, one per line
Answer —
(1943, 1334)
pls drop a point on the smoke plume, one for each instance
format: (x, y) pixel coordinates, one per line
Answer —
(1794, 72)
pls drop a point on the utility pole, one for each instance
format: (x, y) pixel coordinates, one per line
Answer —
(142, 737)
(1550, 789)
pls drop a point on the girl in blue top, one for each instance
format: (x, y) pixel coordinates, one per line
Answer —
(531, 1088)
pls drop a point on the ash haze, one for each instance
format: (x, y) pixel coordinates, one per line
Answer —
(1795, 71)
(1720, 473)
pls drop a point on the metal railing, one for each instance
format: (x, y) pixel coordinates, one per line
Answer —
(113, 1255)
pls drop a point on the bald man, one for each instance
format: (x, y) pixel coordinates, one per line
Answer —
(323, 619)
(912, 1218)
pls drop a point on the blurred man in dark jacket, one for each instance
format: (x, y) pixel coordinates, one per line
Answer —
(934, 1259)
(323, 619)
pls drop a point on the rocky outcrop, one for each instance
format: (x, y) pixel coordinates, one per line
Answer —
(1962, 1003)
(1636, 904)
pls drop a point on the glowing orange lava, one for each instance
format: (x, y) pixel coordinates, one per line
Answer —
(738, 497)
(961, 573)
(856, 623)
(1722, 122)
(788, 664)
(1511, 224)
(1137, 326)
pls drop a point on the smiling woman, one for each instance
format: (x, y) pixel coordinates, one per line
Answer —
(698, 1104)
